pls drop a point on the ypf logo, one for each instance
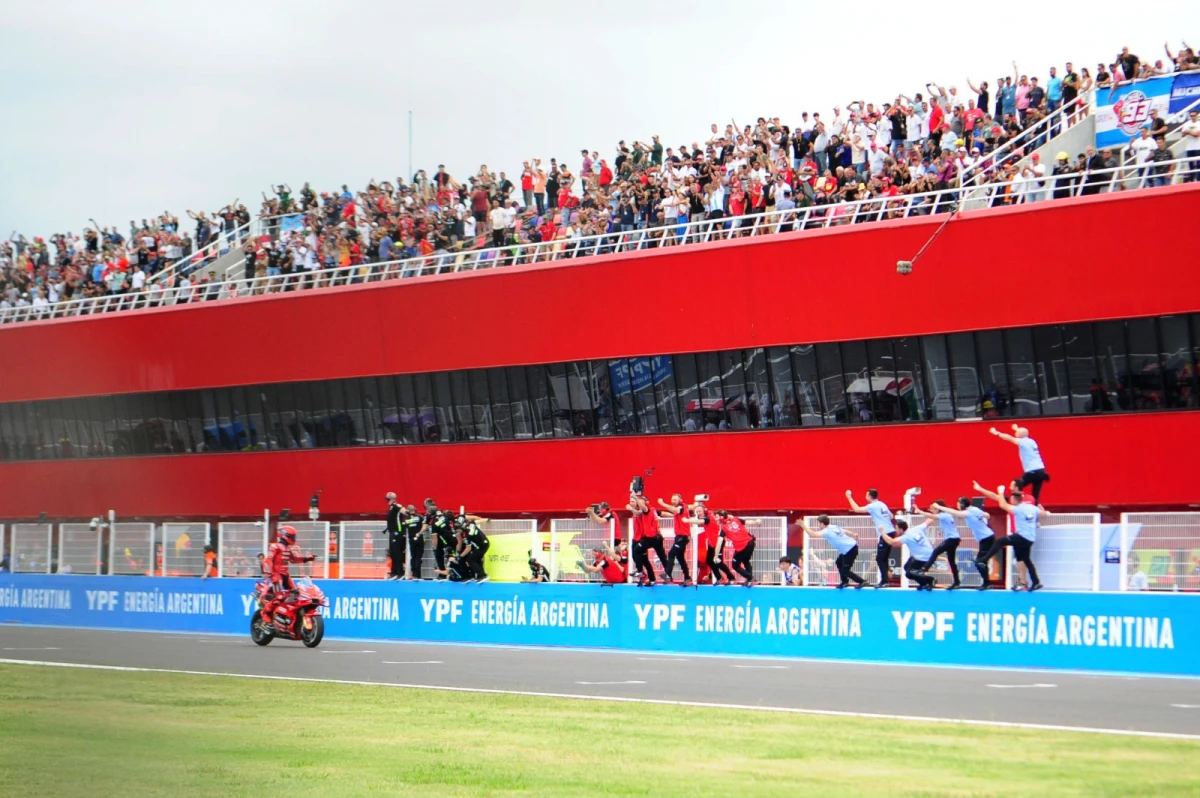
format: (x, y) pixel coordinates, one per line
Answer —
(1132, 111)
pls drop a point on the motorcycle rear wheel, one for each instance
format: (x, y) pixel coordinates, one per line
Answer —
(311, 637)
(260, 633)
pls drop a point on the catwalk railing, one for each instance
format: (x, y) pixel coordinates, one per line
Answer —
(1074, 551)
(665, 237)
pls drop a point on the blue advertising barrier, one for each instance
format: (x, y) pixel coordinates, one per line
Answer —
(1130, 632)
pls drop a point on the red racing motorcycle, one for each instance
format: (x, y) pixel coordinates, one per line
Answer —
(297, 618)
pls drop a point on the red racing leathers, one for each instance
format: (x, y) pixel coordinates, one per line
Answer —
(279, 559)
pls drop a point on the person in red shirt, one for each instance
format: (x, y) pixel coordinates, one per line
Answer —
(734, 530)
(527, 185)
(646, 538)
(606, 175)
(710, 540)
(683, 535)
(605, 563)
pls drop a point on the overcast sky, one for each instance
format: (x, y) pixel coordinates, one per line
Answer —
(113, 109)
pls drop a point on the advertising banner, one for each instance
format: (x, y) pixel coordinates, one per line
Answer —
(1133, 633)
(638, 373)
(1185, 90)
(1120, 113)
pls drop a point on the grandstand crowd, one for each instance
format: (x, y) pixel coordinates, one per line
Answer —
(910, 145)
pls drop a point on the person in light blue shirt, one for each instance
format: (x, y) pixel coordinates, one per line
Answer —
(1053, 91)
(920, 550)
(1025, 524)
(948, 525)
(1032, 465)
(843, 543)
(881, 517)
(980, 527)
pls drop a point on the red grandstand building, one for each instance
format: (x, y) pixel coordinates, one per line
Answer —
(771, 372)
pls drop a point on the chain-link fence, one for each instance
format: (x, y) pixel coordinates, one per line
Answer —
(132, 550)
(238, 545)
(1160, 551)
(80, 549)
(183, 548)
(510, 544)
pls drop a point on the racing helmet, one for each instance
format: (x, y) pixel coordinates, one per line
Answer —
(287, 535)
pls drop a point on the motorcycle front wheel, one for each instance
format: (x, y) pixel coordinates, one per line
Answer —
(259, 632)
(315, 630)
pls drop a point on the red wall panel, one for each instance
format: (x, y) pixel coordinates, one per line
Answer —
(1087, 259)
(1120, 461)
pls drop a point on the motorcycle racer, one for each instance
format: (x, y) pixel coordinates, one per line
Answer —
(282, 553)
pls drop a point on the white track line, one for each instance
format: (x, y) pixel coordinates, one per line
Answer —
(1019, 686)
(630, 681)
(627, 700)
(336, 651)
(421, 662)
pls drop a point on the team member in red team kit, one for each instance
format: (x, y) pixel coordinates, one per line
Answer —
(650, 539)
(734, 530)
(683, 536)
(710, 540)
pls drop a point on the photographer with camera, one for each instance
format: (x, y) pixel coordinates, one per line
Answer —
(646, 536)
(683, 535)
(603, 514)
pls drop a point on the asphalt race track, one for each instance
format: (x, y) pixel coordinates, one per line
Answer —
(1055, 699)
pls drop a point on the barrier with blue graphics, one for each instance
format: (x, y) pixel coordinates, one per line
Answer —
(1136, 633)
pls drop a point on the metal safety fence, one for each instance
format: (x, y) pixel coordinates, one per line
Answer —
(1160, 551)
(238, 545)
(1066, 553)
(964, 555)
(31, 548)
(362, 550)
(80, 549)
(132, 550)
(183, 548)
(820, 558)
(570, 542)
(1073, 551)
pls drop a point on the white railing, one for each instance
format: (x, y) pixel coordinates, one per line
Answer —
(31, 548)
(664, 237)
(1127, 177)
(1018, 147)
(221, 244)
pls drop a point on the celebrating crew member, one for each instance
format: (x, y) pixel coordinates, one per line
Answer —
(683, 536)
(1025, 524)
(711, 540)
(1031, 461)
(395, 536)
(603, 514)
(951, 538)
(881, 516)
(537, 571)
(977, 522)
(790, 572)
(475, 545)
(646, 538)
(441, 525)
(210, 563)
(843, 543)
(411, 523)
(606, 563)
(734, 530)
(919, 551)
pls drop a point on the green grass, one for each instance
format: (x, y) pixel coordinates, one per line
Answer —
(66, 732)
